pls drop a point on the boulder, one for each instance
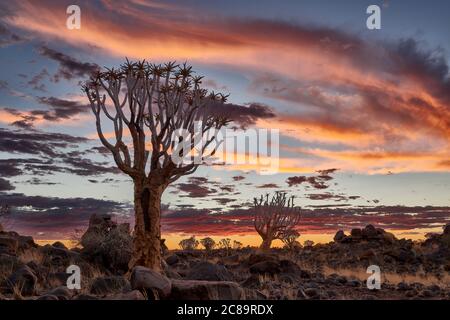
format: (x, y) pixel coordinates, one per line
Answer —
(339, 236)
(23, 280)
(388, 237)
(369, 232)
(84, 296)
(109, 285)
(48, 297)
(447, 229)
(62, 293)
(150, 281)
(55, 256)
(208, 271)
(288, 266)
(269, 267)
(9, 263)
(173, 259)
(59, 244)
(356, 234)
(260, 257)
(132, 295)
(206, 290)
(107, 243)
(8, 244)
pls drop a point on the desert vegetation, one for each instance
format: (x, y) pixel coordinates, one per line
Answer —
(151, 102)
(336, 270)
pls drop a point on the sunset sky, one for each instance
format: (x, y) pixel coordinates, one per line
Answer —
(364, 115)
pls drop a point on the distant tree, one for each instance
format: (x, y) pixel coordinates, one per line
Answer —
(153, 102)
(308, 243)
(225, 243)
(208, 243)
(237, 245)
(189, 244)
(274, 217)
(289, 239)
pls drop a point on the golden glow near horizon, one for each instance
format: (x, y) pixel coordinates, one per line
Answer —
(253, 240)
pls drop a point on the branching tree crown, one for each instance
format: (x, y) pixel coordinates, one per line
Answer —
(153, 100)
(274, 217)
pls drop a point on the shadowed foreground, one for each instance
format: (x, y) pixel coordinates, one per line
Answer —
(337, 270)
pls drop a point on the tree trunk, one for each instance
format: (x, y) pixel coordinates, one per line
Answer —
(267, 242)
(147, 229)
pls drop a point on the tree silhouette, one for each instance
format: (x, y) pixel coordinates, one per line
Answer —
(154, 101)
(208, 243)
(275, 217)
(189, 243)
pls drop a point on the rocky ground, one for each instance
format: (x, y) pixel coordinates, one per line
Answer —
(337, 270)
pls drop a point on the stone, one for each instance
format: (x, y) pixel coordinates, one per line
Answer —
(148, 280)
(62, 293)
(369, 232)
(9, 263)
(8, 244)
(59, 244)
(388, 237)
(339, 236)
(403, 286)
(269, 267)
(84, 296)
(447, 229)
(312, 293)
(260, 257)
(206, 290)
(109, 285)
(252, 282)
(132, 295)
(47, 297)
(356, 234)
(23, 280)
(288, 266)
(173, 259)
(208, 271)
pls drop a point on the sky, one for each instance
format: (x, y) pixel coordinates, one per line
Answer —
(363, 115)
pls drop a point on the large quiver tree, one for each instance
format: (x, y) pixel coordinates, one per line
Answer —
(146, 105)
(274, 217)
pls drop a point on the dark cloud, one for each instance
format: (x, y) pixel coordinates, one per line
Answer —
(8, 38)
(5, 185)
(268, 186)
(224, 201)
(242, 116)
(59, 108)
(38, 181)
(36, 142)
(69, 67)
(317, 182)
(51, 148)
(36, 82)
(32, 214)
(238, 178)
(194, 190)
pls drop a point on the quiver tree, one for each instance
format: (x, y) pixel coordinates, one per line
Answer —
(189, 243)
(274, 217)
(146, 106)
(289, 239)
(208, 243)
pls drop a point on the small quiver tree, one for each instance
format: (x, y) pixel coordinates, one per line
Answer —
(274, 217)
